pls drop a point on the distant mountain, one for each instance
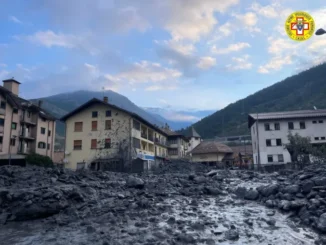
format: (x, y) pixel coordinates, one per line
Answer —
(178, 119)
(302, 91)
(61, 104)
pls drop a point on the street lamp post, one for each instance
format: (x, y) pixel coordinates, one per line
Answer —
(13, 137)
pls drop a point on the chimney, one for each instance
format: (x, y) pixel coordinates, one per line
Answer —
(106, 99)
(12, 85)
(40, 102)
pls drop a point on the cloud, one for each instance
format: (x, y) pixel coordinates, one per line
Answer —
(144, 72)
(178, 46)
(240, 63)
(248, 21)
(231, 48)
(161, 87)
(275, 64)
(268, 11)
(3, 65)
(180, 117)
(15, 19)
(206, 62)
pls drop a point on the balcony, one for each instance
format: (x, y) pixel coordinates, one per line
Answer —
(2, 111)
(160, 142)
(27, 120)
(24, 134)
(25, 150)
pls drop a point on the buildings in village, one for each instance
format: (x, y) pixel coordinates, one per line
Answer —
(242, 156)
(194, 139)
(269, 133)
(102, 135)
(177, 144)
(25, 128)
(212, 152)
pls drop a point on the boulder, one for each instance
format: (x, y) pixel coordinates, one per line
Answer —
(292, 189)
(200, 179)
(307, 186)
(211, 173)
(320, 181)
(134, 182)
(267, 191)
(241, 192)
(251, 195)
(321, 225)
(285, 205)
(186, 238)
(296, 204)
(232, 235)
(212, 191)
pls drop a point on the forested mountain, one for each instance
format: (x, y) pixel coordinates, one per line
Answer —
(301, 91)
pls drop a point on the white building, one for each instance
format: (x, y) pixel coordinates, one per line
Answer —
(269, 133)
(194, 139)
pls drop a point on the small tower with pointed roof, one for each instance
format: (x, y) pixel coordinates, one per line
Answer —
(194, 139)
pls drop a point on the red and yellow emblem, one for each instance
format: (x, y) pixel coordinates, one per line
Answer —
(300, 26)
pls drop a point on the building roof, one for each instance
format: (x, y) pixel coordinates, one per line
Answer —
(171, 133)
(20, 103)
(243, 149)
(211, 146)
(193, 133)
(98, 101)
(11, 80)
(285, 115)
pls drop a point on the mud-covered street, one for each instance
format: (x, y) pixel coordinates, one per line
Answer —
(182, 203)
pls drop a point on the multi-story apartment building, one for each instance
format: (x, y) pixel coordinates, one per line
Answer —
(177, 144)
(269, 133)
(102, 135)
(24, 127)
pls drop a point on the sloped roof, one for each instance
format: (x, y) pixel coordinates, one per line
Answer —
(20, 103)
(242, 149)
(98, 101)
(211, 146)
(193, 133)
(285, 115)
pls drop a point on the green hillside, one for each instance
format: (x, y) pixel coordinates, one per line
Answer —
(301, 91)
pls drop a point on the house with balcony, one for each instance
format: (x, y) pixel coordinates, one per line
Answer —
(269, 133)
(103, 136)
(177, 144)
(25, 127)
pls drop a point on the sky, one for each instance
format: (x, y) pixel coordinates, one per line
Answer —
(182, 54)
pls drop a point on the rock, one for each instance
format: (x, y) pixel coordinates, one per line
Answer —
(270, 213)
(3, 218)
(211, 173)
(191, 176)
(321, 225)
(307, 186)
(134, 182)
(212, 191)
(241, 192)
(90, 229)
(218, 177)
(297, 204)
(320, 181)
(267, 191)
(284, 204)
(305, 176)
(232, 235)
(249, 222)
(292, 189)
(186, 238)
(271, 222)
(270, 203)
(200, 179)
(53, 180)
(251, 195)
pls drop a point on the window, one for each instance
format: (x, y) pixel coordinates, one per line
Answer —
(278, 142)
(3, 105)
(268, 143)
(173, 152)
(267, 128)
(255, 145)
(94, 144)
(78, 126)
(136, 143)
(13, 125)
(41, 145)
(1, 139)
(136, 125)
(107, 143)
(322, 138)
(107, 124)
(94, 125)
(290, 124)
(13, 142)
(49, 133)
(15, 110)
(314, 122)
(277, 126)
(316, 138)
(2, 122)
(253, 130)
(42, 130)
(29, 115)
(280, 158)
(77, 144)
(302, 125)
(48, 146)
(43, 119)
(270, 158)
(94, 113)
(320, 121)
(108, 113)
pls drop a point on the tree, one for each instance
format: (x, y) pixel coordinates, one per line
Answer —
(299, 148)
(39, 160)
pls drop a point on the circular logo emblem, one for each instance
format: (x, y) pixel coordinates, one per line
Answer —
(300, 26)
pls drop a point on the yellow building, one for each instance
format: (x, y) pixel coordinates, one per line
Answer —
(100, 135)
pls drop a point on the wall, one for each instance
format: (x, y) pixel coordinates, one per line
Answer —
(193, 142)
(208, 157)
(312, 131)
(119, 134)
(48, 125)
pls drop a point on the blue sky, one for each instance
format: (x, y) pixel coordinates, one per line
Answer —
(178, 53)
